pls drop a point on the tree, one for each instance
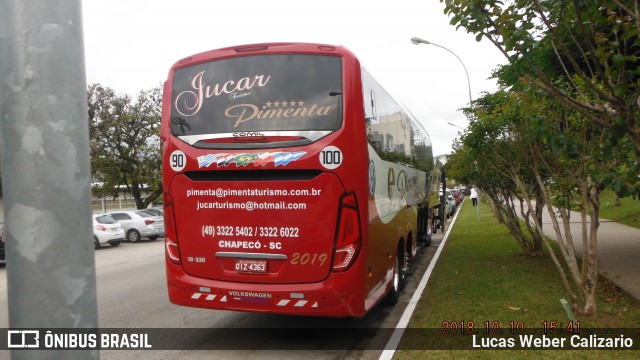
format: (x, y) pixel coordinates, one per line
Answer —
(125, 142)
(595, 45)
(585, 133)
(528, 148)
(574, 164)
(493, 155)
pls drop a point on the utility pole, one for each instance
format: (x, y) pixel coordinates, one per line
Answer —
(46, 171)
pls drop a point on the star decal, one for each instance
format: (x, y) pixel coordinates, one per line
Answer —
(283, 104)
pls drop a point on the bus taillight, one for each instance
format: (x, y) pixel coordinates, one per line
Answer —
(348, 236)
(171, 239)
(173, 251)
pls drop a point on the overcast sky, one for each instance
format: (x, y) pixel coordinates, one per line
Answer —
(131, 44)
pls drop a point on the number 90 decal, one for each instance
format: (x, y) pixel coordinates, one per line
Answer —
(177, 160)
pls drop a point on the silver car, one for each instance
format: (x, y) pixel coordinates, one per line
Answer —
(450, 204)
(154, 211)
(158, 220)
(138, 224)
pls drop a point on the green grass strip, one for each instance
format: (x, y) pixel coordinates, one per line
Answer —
(484, 277)
(627, 213)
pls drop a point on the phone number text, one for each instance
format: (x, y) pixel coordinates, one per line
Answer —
(248, 231)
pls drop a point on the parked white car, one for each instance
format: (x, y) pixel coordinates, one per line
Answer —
(106, 230)
(155, 211)
(138, 224)
(450, 203)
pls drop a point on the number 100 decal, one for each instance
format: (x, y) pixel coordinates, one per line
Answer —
(331, 157)
(177, 160)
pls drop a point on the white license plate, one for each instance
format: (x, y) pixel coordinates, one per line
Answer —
(252, 266)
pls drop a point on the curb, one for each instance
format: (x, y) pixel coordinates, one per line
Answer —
(394, 341)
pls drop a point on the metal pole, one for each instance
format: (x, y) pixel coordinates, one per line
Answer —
(478, 203)
(458, 126)
(46, 172)
(444, 197)
(463, 66)
(418, 41)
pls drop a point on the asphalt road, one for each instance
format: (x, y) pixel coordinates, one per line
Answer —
(132, 294)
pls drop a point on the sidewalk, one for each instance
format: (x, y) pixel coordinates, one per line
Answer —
(618, 250)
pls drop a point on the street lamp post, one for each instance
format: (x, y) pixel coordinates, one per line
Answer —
(458, 126)
(418, 41)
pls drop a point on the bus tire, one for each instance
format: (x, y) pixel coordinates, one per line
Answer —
(404, 268)
(394, 294)
(399, 278)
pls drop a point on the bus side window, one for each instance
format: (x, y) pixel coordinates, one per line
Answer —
(374, 116)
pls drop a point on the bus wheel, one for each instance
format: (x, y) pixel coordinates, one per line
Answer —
(404, 269)
(394, 293)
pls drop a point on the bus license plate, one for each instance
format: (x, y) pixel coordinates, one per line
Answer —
(254, 266)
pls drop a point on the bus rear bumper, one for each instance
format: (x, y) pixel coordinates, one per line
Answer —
(334, 297)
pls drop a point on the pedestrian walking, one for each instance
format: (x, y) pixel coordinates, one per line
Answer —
(474, 196)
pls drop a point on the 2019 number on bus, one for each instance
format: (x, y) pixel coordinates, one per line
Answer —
(293, 183)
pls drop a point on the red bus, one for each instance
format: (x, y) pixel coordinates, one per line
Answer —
(293, 183)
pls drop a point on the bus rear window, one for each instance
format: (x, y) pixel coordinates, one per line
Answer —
(280, 94)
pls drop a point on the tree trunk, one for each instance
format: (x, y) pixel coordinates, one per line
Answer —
(538, 223)
(502, 208)
(540, 203)
(591, 198)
